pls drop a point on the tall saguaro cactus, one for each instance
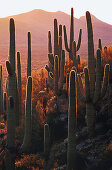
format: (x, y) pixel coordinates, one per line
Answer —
(56, 61)
(29, 55)
(62, 65)
(1, 91)
(28, 117)
(72, 121)
(69, 49)
(94, 91)
(56, 51)
(10, 158)
(46, 140)
(19, 81)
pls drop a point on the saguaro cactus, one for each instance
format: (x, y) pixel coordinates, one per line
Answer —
(93, 89)
(46, 141)
(56, 61)
(62, 65)
(69, 49)
(19, 80)
(10, 158)
(72, 121)
(29, 55)
(28, 117)
(1, 91)
(56, 51)
(5, 103)
(10, 125)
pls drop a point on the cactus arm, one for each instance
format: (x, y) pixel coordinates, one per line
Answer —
(105, 81)
(9, 69)
(51, 58)
(29, 56)
(65, 39)
(51, 75)
(47, 68)
(79, 40)
(98, 77)
(91, 59)
(55, 37)
(60, 51)
(60, 30)
(74, 54)
(100, 44)
(12, 44)
(87, 88)
(49, 42)
(78, 59)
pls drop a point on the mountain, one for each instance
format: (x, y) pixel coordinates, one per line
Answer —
(38, 22)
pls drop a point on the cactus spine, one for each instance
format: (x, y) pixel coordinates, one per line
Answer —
(29, 55)
(93, 89)
(1, 91)
(28, 117)
(72, 120)
(69, 49)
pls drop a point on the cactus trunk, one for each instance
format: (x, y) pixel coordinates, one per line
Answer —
(72, 121)
(28, 117)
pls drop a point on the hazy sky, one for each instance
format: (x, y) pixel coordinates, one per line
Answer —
(102, 9)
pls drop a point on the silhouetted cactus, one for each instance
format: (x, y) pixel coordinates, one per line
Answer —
(56, 61)
(69, 49)
(29, 56)
(46, 141)
(49, 43)
(10, 123)
(56, 50)
(28, 117)
(1, 91)
(62, 65)
(100, 44)
(19, 81)
(5, 103)
(93, 89)
(72, 121)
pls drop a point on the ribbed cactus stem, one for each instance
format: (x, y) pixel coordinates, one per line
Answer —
(19, 81)
(62, 69)
(10, 122)
(72, 121)
(49, 43)
(5, 103)
(74, 55)
(12, 45)
(56, 52)
(67, 82)
(100, 44)
(1, 91)
(10, 156)
(29, 56)
(46, 141)
(50, 68)
(28, 117)
(91, 59)
(56, 61)
(69, 49)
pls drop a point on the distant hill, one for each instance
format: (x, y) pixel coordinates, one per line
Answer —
(38, 22)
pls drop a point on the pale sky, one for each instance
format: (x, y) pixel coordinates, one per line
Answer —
(102, 9)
